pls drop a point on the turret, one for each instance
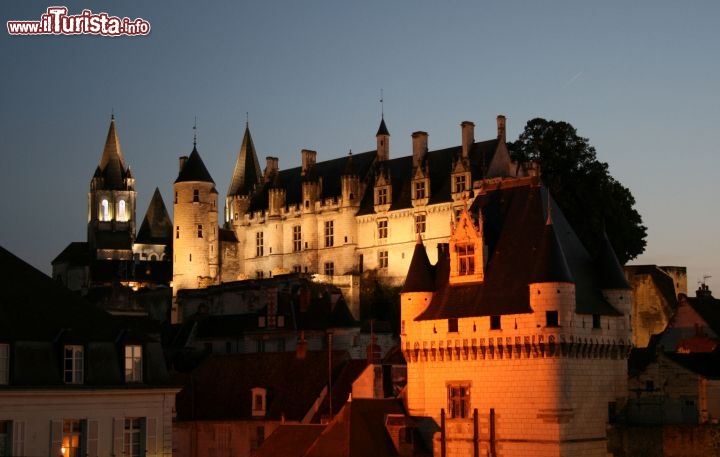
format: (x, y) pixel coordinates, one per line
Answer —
(246, 175)
(383, 141)
(616, 289)
(419, 286)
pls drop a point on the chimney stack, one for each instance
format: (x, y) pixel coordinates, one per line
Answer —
(271, 167)
(420, 146)
(183, 161)
(468, 137)
(308, 160)
(501, 128)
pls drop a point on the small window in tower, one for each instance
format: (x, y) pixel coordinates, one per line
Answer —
(190, 257)
(329, 268)
(329, 234)
(495, 323)
(196, 195)
(596, 321)
(177, 231)
(452, 324)
(104, 210)
(176, 198)
(458, 400)
(551, 319)
(259, 244)
(297, 238)
(200, 231)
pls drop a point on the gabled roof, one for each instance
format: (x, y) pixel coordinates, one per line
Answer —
(194, 169)
(514, 215)
(156, 227)
(247, 168)
(112, 164)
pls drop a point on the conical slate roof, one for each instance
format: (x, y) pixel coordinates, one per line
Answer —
(247, 168)
(382, 130)
(420, 276)
(112, 164)
(194, 169)
(550, 263)
(156, 227)
(610, 272)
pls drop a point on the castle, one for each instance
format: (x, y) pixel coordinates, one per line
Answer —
(335, 219)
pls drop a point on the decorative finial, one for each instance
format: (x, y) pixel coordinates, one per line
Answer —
(350, 152)
(247, 119)
(112, 113)
(382, 106)
(195, 133)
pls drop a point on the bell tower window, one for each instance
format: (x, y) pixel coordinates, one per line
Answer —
(122, 216)
(104, 210)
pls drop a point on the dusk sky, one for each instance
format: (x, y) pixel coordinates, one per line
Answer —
(641, 80)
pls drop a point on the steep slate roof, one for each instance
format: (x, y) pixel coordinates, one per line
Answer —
(156, 227)
(220, 388)
(382, 130)
(112, 164)
(608, 267)
(38, 316)
(247, 168)
(420, 276)
(194, 169)
(331, 172)
(76, 253)
(550, 263)
(514, 216)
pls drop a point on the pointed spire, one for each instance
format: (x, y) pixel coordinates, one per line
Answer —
(112, 163)
(608, 266)
(382, 130)
(194, 169)
(156, 227)
(550, 262)
(420, 277)
(247, 167)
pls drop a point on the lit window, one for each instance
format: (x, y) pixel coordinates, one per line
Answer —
(259, 244)
(200, 231)
(329, 268)
(382, 196)
(73, 367)
(459, 183)
(121, 211)
(104, 210)
(420, 223)
(329, 234)
(4, 366)
(133, 437)
(495, 323)
(383, 259)
(382, 228)
(72, 438)
(458, 400)
(196, 195)
(297, 238)
(420, 189)
(466, 259)
(133, 363)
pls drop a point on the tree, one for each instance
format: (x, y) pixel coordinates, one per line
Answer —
(590, 198)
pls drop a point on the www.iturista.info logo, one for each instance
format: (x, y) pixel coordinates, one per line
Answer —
(57, 22)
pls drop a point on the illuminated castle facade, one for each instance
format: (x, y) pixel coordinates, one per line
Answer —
(516, 340)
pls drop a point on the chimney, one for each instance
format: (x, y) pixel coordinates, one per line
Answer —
(301, 348)
(271, 167)
(419, 140)
(501, 128)
(308, 160)
(183, 161)
(468, 137)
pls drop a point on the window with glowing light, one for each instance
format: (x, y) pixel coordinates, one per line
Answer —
(458, 400)
(133, 363)
(466, 259)
(104, 210)
(122, 217)
(133, 437)
(73, 364)
(4, 365)
(72, 438)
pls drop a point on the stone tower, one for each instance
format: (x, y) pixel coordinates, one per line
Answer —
(195, 241)
(111, 204)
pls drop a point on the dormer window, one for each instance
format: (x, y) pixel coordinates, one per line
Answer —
(420, 189)
(460, 183)
(259, 401)
(133, 363)
(73, 362)
(466, 250)
(465, 259)
(382, 196)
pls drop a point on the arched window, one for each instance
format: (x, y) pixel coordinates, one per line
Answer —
(104, 210)
(121, 211)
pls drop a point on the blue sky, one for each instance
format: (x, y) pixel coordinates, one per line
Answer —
(639, 79)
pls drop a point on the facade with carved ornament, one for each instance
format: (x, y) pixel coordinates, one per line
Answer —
(516, 340)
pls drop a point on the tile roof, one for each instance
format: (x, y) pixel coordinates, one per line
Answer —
(514, 215)
(194, 169)
(220, 388)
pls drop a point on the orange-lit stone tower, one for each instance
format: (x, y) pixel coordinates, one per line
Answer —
(195, 239)
(516, 340)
